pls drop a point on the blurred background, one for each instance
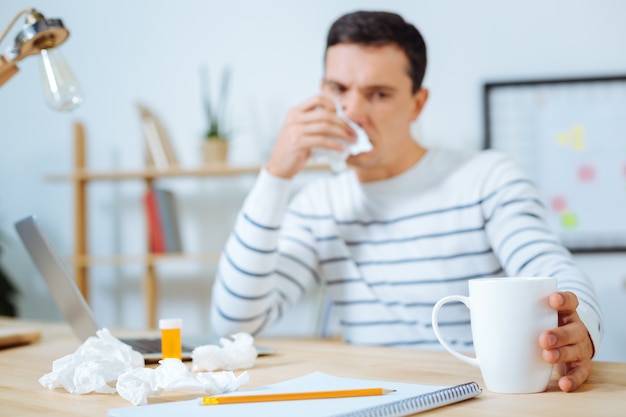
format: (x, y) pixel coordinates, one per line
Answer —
(151, 52)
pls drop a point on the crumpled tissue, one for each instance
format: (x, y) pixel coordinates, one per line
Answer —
(98, 361)
(103, 359)
(237, 352)
(337, 160)
(137, 384)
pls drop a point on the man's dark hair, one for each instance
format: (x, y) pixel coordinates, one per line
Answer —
(379, 29)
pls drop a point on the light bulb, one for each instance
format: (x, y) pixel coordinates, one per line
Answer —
(61, 89)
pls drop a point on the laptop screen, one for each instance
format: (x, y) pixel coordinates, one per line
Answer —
(61, 285)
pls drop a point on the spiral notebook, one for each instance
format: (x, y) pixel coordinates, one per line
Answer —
(407, 399)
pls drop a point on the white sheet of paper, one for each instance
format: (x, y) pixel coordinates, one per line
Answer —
(316, 381)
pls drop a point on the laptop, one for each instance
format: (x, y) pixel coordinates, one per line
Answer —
(72, 303)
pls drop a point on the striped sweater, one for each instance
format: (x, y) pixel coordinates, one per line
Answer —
(386, 251)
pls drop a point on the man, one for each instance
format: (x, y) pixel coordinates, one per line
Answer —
(403, 227)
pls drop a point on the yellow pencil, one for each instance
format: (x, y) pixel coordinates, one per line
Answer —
(215, 400)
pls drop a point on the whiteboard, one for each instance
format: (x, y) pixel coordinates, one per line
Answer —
(569, 135)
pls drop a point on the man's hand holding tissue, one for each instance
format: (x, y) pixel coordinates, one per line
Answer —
(312, 124)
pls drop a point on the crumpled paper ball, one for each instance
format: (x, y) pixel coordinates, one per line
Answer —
(98, 361)
(103, 359)
(137, 385)
(236, 352)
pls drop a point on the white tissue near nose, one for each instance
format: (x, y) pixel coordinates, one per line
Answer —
(337, 160)
(362, 143)
(98, 361)
(237, 352)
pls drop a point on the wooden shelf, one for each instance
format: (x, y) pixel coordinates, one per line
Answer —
(147, 174)
(145, 259)
(80, 179)
(217, 170)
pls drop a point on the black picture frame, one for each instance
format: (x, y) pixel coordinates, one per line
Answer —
(530, 97)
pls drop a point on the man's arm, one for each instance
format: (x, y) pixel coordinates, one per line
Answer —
(268, 261)
(261, 269)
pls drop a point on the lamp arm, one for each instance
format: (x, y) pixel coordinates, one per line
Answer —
(17, 16)
(9, 68)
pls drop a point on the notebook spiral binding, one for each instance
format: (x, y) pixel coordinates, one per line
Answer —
(419, 403)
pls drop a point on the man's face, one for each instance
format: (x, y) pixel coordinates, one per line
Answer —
(374, 88)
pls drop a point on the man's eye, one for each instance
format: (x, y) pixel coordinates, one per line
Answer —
(378, 95)
(338, 89)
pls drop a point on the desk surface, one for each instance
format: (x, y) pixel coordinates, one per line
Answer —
(21, 394)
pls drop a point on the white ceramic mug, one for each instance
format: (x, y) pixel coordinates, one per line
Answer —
(507, 316)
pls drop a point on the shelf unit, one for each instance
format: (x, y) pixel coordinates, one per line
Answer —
(81, 177)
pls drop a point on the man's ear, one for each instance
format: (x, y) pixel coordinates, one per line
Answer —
(419, 100)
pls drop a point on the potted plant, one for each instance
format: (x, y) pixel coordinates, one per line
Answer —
(215, 146)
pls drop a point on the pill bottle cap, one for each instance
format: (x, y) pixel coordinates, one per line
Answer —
(170, 323)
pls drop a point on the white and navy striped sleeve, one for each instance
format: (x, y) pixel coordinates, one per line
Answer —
(515, 222)
(267, 263)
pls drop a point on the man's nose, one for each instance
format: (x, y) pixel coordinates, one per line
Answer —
(355, 108)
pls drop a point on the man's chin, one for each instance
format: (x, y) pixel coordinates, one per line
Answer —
(360, 159)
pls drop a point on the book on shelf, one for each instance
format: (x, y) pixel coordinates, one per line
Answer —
(166, 203)
(159, 151)
(153, 223)
(162, 221)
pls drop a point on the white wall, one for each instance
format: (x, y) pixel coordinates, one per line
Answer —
(150, 51)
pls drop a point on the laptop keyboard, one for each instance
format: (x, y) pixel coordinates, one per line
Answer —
(148, 345)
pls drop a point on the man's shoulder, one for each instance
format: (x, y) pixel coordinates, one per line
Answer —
(484, 168)
(491, 156)
(487, 160)
(467, 159)
(494, 154)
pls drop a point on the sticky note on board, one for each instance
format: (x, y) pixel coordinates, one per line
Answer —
(569, 221)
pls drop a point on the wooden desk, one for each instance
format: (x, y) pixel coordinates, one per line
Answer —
(604, 394)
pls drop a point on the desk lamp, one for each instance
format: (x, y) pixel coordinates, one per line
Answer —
(41, 36)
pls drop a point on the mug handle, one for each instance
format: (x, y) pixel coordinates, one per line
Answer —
(435, 316)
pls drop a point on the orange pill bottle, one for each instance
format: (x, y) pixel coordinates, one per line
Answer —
(171, 343)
